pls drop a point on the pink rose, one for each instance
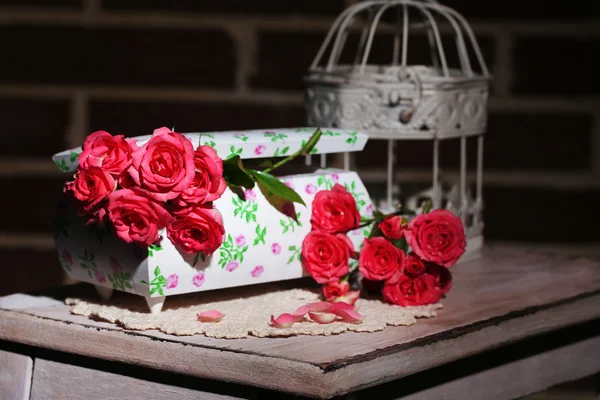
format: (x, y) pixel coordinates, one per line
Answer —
(250, 195)
(164, 166)
(67, 257)
(100, 277)
(232, 266)
(198, 279)
(135, 217)
(379, 259)
(405, 290)
(257, 271)
(208, 183)
(325, 256)
(393, 227)
(334, 211)
(111, 153)
(437, 237)
(172, 281)
(115, 265)
(89, 189)
(197, 229)
(310, 188)
(275, 248)
(259, 149)
(240, 240)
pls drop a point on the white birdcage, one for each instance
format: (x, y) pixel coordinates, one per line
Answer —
(406, 102)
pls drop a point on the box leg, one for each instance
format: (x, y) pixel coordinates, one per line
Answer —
(155, 303)
(105, 293)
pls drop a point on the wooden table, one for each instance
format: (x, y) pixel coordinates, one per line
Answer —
(516, 322)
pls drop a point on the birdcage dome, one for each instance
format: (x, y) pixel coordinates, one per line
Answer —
(397, 100)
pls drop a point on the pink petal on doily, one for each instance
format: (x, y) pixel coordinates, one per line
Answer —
(348, 298)
(347, 312)
(283, 321)
(322, 318)
(210, 316)
(319, 306)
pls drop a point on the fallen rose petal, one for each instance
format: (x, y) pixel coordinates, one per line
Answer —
(283, 321)
(319, 306)
(348, 298)
(347, 312)
(210, 316)
(322, 318)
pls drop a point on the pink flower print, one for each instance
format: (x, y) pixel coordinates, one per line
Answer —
(259, 149)
(335, 178)
(356, 232)
(369, 210)
(257, 271)
(289, 184)
(67, 257)
(198, 279)
(250, 195)
(115, 265)
(276, 248)
(232, 266)
(240, 240)
(100, 277)
(269, 133)
(310, 188)
(172, 281)
(239, 135)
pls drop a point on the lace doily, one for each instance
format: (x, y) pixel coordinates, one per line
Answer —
(247, 315)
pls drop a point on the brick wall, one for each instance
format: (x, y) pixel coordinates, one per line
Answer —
(73, 66)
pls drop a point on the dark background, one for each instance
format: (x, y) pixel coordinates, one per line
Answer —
(70, 67)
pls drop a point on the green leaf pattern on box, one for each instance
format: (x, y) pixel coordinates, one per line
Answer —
(120, 280)
(157, 283)
(88, 262)
(246, 210)
(231, 252)
(289, 225)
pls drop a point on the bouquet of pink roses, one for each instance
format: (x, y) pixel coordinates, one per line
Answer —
(166, 183)
(406, 260)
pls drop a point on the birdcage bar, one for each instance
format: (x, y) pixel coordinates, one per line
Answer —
(463, 201)
(436, 192)
(390, 174)
(323, 160)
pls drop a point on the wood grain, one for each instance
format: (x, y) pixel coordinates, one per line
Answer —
(501, 297)
(55, 380)
(15, 376)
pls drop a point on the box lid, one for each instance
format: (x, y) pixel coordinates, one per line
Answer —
(252, 143)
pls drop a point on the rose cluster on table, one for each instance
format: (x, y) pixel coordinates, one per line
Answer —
(406, 260)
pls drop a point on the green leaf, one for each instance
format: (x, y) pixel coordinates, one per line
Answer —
(376, 231)
(427, 206)
(195, 261)
(143, 282)
(264, 231)
(271, 186)
(153, 290)
(235, 174)
(285, 150)
(74, 157)
(277, 193)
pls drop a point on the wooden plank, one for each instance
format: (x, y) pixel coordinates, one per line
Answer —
(15, 376)
(511, 380)
(56, 380)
